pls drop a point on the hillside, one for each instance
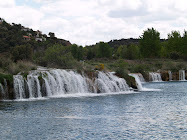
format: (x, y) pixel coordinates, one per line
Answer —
(13, 34)
(23, 49)
(118, 42)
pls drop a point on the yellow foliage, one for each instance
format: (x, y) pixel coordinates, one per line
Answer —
(100, 67)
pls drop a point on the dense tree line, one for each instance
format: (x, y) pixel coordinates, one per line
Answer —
(149, 46)
(56, 51)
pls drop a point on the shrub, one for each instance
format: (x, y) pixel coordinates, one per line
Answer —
(5, 76)
(59, 56)
(22, 52)
(121, 70)
(100, 67)
(174, 55)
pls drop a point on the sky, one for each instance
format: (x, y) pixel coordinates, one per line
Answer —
(86, 22)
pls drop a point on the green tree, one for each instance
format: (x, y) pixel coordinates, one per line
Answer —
(104, 50)
(90, 53)
(121, 68)
(80, 53)
(174, 44)
(132, 52)
(74, 50)
(174, 41)
(58, 55)
(77, 52)
(122, 51)
(128, 52)
(184, 45)
(150, 43)
(163, 51)
(22, 52)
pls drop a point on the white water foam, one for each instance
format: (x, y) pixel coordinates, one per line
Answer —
(62, 83)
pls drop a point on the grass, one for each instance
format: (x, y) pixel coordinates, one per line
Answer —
(7, 66)
(141, 65)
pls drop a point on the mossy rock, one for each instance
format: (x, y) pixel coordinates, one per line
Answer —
(146, 76)
(9, 80)
(175, 75)
(131, 82)
(6, 77)
(165, 75)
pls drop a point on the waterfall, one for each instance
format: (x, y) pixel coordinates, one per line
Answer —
(19, 87)
(170, 75)
(33, 81)
(107, 82)
(57, 82)
(182, 75)
(141, 77)
(138, 82)
(155, 77)
(2, 91)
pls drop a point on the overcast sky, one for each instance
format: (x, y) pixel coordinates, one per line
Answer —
(86, 22)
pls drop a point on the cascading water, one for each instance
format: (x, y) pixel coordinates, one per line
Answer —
(107, 82)
(142, 80)
(2, 91)
(155, 77)
(182, 75)
(170, 75)
(19, 86)
(138, 82)
(56, 82)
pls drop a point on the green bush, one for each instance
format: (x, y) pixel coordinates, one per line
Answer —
(22, 52)
(174, 55)
(5, 76)
(121, 68)
(140, 68)
(59, 56)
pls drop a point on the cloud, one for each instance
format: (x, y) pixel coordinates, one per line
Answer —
(89, 21)
(6, 3)
(127, 13)
(22, 14)
(70, 8)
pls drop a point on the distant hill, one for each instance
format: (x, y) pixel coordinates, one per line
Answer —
(116, 43)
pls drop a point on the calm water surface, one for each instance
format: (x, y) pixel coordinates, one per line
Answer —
(145, 115)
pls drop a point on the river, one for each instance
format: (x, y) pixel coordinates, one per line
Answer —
(142, 115)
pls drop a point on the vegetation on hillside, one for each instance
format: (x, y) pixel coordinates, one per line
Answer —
(22, 49)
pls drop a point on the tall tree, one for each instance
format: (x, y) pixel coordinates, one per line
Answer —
(174, 41)
(58, 55)
(174, 44)
(104, 50)
(184, 45)
(150, 43)
(22, 52)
